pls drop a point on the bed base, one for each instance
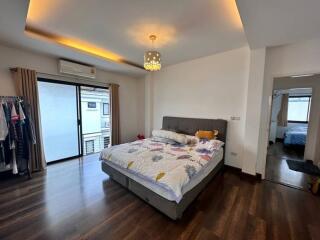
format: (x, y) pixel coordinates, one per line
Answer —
(170, 208)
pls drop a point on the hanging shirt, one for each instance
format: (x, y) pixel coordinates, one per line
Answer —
(29, 123)
(3, 125)
(12, 128)
(22, 116)
(14, 161)
(14, 115)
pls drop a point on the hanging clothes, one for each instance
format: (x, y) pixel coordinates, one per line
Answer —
(16, 135)
(3, 134)
(3, 125)
(14, 115)
(22, 116)
(29, 123)
(22, 143)
(8, 142)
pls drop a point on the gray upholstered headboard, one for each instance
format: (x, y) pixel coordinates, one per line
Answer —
(191, 125)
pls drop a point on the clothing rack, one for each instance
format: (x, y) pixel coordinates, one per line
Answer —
(10, 99)
(6, 99)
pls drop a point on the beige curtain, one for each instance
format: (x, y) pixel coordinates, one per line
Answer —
(26, 82)
(283, 113)
(115, 114)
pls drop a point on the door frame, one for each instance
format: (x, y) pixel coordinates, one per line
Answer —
(79, 111)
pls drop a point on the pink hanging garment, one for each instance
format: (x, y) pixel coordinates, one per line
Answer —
(14, 115)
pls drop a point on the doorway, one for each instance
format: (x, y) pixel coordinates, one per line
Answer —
(75, 119)
(288, 135)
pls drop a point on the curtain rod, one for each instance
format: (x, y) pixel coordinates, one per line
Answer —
(10, 98)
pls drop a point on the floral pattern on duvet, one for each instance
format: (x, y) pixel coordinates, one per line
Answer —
(171, 166)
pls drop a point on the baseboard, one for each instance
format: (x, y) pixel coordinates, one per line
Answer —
(237, 170)
(259, 176)
(279, 140)
(253, 177)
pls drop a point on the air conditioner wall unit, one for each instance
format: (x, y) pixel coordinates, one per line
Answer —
(76, 69)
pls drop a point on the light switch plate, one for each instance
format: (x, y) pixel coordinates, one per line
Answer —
(234, 118)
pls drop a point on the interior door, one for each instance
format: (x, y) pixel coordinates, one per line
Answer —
(59, 112)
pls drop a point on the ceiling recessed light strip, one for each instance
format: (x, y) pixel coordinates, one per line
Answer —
(80, 45)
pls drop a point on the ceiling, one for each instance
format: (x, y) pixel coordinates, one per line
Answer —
(279, 22)
(13, 15)
(186, 29)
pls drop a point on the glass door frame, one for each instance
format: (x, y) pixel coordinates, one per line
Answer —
(79, 111)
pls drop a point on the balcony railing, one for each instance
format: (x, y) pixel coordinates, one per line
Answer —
(95, 142)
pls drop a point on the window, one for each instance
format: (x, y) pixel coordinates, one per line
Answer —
(92, 105)
(299, 109)
(106, 142)
(89, 146)
(105, 108)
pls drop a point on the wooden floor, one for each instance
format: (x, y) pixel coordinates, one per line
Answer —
(76, 200)
(277, 169)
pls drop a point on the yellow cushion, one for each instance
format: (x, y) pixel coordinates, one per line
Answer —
(160, 175)
(207, 134)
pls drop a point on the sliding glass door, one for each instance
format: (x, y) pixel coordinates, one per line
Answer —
(75, 119)
(95, 116)
(59, 111)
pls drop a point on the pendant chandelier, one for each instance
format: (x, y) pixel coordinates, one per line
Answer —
(152, 60)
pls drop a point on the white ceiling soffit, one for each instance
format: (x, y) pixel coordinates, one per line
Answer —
(13, 15)
(279, 22)
(186, 29)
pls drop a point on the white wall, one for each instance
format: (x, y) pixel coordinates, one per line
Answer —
(149, 96)
(276, 106)
(209, 87)
(253, 103)
(131, 103)
(141, 105)
(281, 61)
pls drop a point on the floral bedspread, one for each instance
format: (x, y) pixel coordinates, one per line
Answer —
(170, 165)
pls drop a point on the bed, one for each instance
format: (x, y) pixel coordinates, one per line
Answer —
(295, 136)
(169, 191)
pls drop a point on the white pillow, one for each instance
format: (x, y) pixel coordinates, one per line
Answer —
(212, 144)
(192, 139)
(216, 144)
(180, 138)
